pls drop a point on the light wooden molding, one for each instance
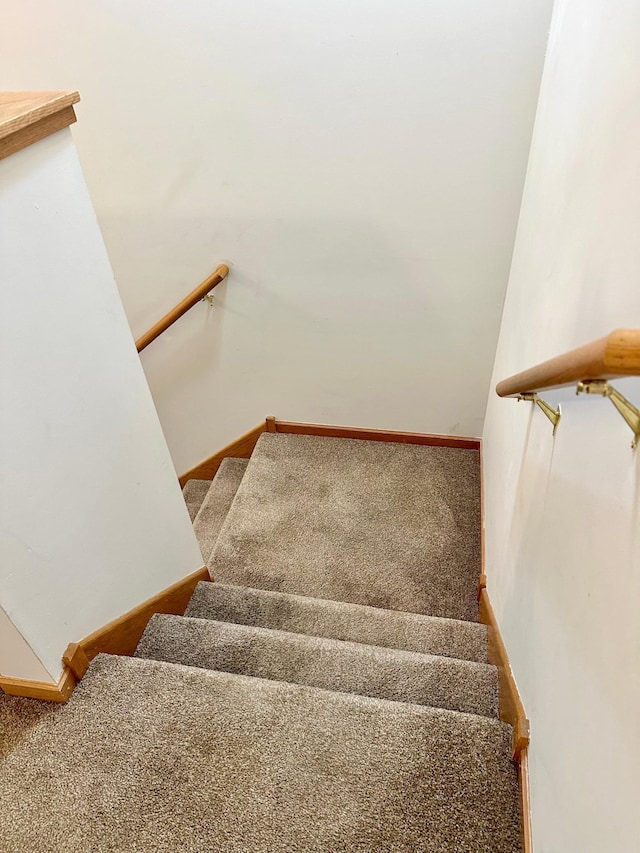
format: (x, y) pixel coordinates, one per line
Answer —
(511, 707)
(122, 635)
(27, 117)
(42, 690)
(119, 637)
(618, 354)
(241, 448)
(76, 659)
(427, 439)
(525, 801)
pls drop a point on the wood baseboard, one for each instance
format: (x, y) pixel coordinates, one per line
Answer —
(119, 637)
(511, 707)
(426, 439)
(59, 692)
(525, 802)
(241, 448)
(28, 117)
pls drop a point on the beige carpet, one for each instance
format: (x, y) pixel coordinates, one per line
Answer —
(215, 504)
(442, 682)
(194, 493)
(340, 620)
(388, 525)
(326, 703)
(158, 757)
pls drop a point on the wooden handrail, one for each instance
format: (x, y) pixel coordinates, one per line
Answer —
(618, 354)
(220, 273)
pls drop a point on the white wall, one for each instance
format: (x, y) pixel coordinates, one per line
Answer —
(563, 515)
(360, 165)
(92, 520)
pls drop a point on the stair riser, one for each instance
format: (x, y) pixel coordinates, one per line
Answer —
(329, 664)
(340, 621)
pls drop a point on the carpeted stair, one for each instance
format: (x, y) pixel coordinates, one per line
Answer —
(332, 664)
(339, 620)
(330, 692)
(216, 502)
(150, 756)
(194, 493)
(388, 525)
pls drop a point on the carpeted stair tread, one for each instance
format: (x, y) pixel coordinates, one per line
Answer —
(153, 756)
(339, 621)
(375, 523)
(194, 493)
(320, 662)
(215, 506)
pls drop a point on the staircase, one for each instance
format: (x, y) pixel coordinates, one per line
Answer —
(330, 692)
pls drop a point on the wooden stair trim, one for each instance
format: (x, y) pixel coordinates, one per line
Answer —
(511, 707)
(27, 117)
(118, 637)
(43, 690)
(241, 448)
(525, 801)
(363, 434)
(121, 636)
(76, 659)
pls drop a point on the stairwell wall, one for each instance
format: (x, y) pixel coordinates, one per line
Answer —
(358, 165)
(92, 521)
(563, 514)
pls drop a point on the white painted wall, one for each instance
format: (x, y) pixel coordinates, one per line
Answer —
(360, 165)
(563, 515)
(92, 521)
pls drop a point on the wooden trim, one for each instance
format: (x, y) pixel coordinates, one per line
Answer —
(482, 581)
(482, 584)
(511, 707)
(42, 690)
(618, 354)
(37, 131)
(121, 636)
(198, 293)
(27, 117)
(525, 801)
(241, 448)
(76, 659)
(378, 435)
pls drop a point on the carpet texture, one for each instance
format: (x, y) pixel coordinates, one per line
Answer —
(156, 757)
(17, 717)
(387, 525)
(331, 695)
(194, 493)
(216, 503)
(339, 620)
(319, 662)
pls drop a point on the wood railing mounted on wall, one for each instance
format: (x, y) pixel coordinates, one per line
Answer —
(196, 295)
(589, 368)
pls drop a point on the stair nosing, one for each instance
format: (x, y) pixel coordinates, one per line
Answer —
(261, 630)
